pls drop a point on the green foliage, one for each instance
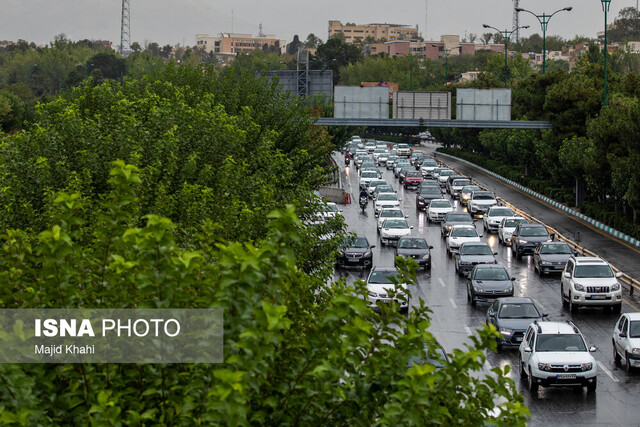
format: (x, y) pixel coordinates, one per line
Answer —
(337, 53)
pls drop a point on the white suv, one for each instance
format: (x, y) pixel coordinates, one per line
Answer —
(589, 281)
(554, 354)
(626, 341)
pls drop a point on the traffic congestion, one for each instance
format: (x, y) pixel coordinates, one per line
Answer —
(570, 341)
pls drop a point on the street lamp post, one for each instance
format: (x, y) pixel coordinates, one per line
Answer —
(505, 35)
(544, 21)
(606, 4)
(446, 61)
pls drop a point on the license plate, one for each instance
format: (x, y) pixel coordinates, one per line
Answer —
(598, 297)
(352, 260)
(566, 377)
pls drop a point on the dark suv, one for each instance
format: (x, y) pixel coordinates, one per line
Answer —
(526, 237)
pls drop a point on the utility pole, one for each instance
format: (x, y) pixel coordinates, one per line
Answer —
(125, 27)
(516, 20)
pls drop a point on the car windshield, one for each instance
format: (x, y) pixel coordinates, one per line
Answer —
(430, 190)
(396, 223)
(519, 311)
(470, 189)
(380, 150)
(360, 242)
(413, 243)
(464, 232)
(533, 232)
(460, 182)
(430, 183)
(556, 248)
(560, 342)
(513, 223)
(369, 174)
(634, 329)
(330, 208)
(414, 174)
(491, 274)
(403, 146)
(599, 271)
(384, 189)
(447, 173)
(459, 218)
(483, 196)
(440, 204)
(387, 196)
(391, 214)
(373, 184)
(476, 250)
(501, 212)
(430, 163)
(438, 363)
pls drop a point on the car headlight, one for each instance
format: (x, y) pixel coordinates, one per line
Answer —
(522, 241)
(545, 263)
(544, 366)
(465, 263)
(367, 254)
(509, 289)
(635, 351)
(615, 287)
(426, 256)
(578, 287)
(477, 288)
(449, 227)
(587, 366)
(506, 331)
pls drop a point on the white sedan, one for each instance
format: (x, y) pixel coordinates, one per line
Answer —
(461, 234)
(495, 214)
(626, 341)
(438, 208)
(386, 201)
(389, 213)
(507, 227)
(393, 229)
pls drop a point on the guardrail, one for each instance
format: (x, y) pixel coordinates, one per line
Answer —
(631, 282)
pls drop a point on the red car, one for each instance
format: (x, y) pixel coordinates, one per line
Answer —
(413, 179)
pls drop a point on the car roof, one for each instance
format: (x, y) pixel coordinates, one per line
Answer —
(532, 225)
(633, 316)
(489, 266)
(556, 328)
(515, 300)
(475, 244)
(588, 260)
(463, 226)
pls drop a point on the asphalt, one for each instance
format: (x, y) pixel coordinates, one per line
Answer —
(454, 320)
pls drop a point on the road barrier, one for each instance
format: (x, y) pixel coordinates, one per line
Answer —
(631, 282)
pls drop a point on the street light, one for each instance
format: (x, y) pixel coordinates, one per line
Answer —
(446, 61)
(606, 4)
(505, 34)
(544, 21)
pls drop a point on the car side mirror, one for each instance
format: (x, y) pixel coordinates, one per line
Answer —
(545, 315)
(495, 253)
(567, 275)
(593, 349)
(341, 210)
(430, 247)
(411, 227)
(553, 236)
(482, 235)
(527, 349)
(513, 279)
(619, 274)
(406, 216)
(373, 246)
(622, 335)
(576, 253)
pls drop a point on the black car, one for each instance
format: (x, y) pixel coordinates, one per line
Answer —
(512, 317)
(487, 282)
(526, 237)
(425, 195)
(416, 248)
(356, 252)
(551, 257)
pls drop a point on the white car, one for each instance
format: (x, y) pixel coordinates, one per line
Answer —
(507, 227)
(403, 150)
(386, 201)
(428, 165)
(481, 201)
(437, 209)
(491, 221)
(554, 354)
(393, 229)
(377, 152)
(465, 193)
(444, 176)
(370, 146)
(389, 213)
(626, 341)
(391, 161)
(590, 282)
(380, 287)
(366, 177)
(460, 234)
(371, 186)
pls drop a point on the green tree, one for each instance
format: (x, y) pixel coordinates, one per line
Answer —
(626, 26)
(337, 53)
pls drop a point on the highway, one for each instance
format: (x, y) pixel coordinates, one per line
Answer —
(453, 319)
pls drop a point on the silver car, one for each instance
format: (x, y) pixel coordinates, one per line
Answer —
(472, 254)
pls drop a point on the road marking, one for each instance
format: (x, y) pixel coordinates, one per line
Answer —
(442, 283)
(468, 329)
(608, 372)
(453, 303)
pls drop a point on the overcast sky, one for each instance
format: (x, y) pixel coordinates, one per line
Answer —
(178, 21)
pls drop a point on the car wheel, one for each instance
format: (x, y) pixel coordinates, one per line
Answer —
(518, 255)
(532, 384)
(498, 346)
(617, 308)
(473, 300)
(572, 307)
(455, 264)
(500, 239)
(627, 364)
(616, 356)
(404, 310)
(428, 267)
(592, 387)
(523, 373)
(564, 301)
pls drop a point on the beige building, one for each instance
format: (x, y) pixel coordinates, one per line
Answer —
(228, 43)
(632, 47)
(389, 32)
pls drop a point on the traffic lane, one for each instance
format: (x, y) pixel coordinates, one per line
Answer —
(619, 254)
(453, 319)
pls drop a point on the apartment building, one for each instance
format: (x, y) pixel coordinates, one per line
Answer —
(425, 49)
(229, 43)
(389, 32)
